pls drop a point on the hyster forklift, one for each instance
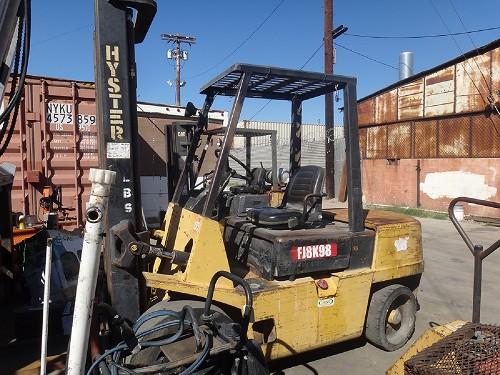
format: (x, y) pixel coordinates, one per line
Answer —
(235, 281)
(293, 277)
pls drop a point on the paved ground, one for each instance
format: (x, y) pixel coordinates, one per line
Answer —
(445, 294)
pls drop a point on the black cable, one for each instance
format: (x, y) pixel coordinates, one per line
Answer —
(15, 76)
(312, 55)
(465, 68)
(365, 56)
(241, 44)
(421, 36)
(16, 98)
(489, 97)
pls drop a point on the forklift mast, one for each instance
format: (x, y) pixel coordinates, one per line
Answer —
(116, 33)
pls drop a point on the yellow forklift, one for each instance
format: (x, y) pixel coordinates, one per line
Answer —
(230, 281)
(293, 277)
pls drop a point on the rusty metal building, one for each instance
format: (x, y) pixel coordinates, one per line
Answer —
(435, 135)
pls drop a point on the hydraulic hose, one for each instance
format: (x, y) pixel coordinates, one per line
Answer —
(180, 322)
(16, 97)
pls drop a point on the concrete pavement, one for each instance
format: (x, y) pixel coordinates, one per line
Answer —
(445, 294)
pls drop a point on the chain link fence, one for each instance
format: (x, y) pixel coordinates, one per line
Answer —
(473, 136)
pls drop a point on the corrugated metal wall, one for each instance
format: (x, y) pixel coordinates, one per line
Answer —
(313, 143)
(443, 118)
(463, 87)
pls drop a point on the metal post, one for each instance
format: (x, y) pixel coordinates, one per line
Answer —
(89, 267)
(418, 169)
(296, 136)
(329, 121)
(248, 153)
(178, 74)
(351, 131)
(178, 55)
(274, 161)
(478, 275)
(214, 192)
(46, 305)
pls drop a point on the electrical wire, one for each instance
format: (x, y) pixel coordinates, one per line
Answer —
(241, 44)
(365, 56)
(422, 36)
(312, 56)
(57, 36)
(490, 95)
(470, 66)
(302, 67)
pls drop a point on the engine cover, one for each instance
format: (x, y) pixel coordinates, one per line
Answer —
(282, 254)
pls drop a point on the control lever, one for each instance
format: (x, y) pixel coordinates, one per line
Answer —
(144, 250)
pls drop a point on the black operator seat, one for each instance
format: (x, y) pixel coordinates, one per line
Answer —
(301, 202)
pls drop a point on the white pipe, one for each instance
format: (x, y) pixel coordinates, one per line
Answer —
(89, 267)
(46, 303)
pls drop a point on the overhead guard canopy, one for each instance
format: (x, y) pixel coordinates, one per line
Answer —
(268, 82)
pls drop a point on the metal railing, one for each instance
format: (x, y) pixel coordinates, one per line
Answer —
(477, 251)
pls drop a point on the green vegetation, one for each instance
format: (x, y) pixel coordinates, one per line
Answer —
(417, 212)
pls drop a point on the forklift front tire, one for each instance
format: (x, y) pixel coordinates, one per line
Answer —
(390, 321)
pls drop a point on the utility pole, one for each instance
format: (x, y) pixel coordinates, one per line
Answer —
(178, 55)
(329, 122)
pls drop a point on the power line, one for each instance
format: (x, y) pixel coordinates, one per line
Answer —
(314, 54)
(490, 96)
(465, 68)
(365, 56)
(302, 67)
(466, 32)
(241, 44)
(56, 36)
(458, 46)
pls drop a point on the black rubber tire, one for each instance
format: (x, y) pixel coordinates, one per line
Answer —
(149, 355)
(256, 363)
(377, 325)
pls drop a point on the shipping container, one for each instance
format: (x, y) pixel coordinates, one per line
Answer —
(55, 144)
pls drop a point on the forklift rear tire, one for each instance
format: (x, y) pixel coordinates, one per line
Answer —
(390, 321)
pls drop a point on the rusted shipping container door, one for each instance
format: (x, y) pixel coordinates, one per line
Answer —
(54, 143)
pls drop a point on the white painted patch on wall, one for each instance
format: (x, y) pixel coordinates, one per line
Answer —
(454, 184)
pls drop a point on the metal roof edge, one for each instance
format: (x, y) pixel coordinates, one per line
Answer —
(485, 48)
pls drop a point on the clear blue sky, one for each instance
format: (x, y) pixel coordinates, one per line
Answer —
(62, 42)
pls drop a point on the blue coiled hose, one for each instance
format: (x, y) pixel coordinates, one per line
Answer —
(116, 352)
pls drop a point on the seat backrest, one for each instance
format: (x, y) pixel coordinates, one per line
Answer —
(306, 180)
(258, 179)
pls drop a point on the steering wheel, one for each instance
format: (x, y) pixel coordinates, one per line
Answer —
(232, 171)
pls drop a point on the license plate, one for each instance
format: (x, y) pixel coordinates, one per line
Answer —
(320, 251)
